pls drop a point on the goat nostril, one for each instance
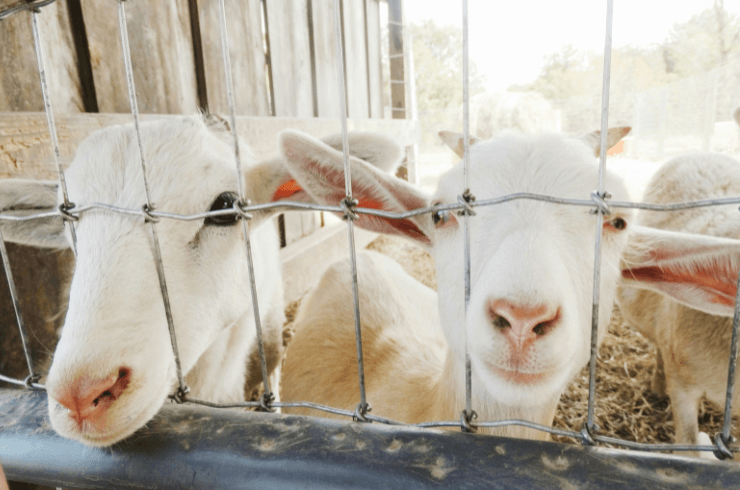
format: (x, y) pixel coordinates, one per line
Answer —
(541, 329)
(122, 373)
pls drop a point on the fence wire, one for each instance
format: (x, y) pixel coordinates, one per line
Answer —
(599, 203)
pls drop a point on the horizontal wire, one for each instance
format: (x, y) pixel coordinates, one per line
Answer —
(294, 205)
(435, 424)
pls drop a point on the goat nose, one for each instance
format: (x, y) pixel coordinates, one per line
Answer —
(522, 323)
(87, 398)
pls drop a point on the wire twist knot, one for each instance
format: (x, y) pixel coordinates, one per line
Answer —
(601, 205)
(239, 209)
(466, 199)
(65, 211)
(146, 210)
(265, 400)
(360, 412)
(180, 394)
(587, 437)
(466, 420)
(348, 205)
(30, 380)
(33, 6)
(723, 451)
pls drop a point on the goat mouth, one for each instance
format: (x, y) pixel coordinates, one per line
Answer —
(519, 377)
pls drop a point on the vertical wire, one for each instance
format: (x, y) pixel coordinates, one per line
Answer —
(348, 190)
(155, 239)
(52, 126)
(240, 183)
(16, 307)
(590, 426)
(466, 216)
(727, 422)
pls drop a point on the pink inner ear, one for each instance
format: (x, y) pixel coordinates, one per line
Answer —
(715, 280)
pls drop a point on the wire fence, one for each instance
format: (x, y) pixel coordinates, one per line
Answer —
(599, 202)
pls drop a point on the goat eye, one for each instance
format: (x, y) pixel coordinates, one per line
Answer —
(441, 217)
(224, 201)
(619, 223)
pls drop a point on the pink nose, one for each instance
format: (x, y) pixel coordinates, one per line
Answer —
(522, 324)
(88, 399)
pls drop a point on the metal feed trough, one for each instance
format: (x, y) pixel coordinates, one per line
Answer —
(197, 444)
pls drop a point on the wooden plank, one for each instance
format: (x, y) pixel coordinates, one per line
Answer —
(305, 260)
(397, 63)
(244, 27)
(25, 149)
(325, 54)
(20, 89)
(355, 55)
(290, 57)
(161, 55)
(375, 71)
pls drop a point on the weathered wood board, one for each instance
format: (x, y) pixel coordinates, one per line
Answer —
(161, 54)
(247, 55)
(25, 149)
(325, 55)
(375, 72)
(290, 57)
(20, 88)
(355, 55)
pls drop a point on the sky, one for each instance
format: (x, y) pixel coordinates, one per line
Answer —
(509, 39)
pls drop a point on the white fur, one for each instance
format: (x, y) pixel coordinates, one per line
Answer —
(692, 332)
(524, 251)
(116, 317)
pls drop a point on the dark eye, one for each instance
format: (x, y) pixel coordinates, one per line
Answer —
(224, 201)
(441, 217)
(619, 223)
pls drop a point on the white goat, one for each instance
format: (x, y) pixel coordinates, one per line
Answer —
(691, 327)
(529, 318)
(114, 367)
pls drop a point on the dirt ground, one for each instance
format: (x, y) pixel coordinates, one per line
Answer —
(625, 406)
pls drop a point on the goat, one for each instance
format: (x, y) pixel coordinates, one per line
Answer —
(528, 322)
(691, 324)
(113, 367)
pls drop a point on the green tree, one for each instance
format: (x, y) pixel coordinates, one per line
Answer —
(438, 76)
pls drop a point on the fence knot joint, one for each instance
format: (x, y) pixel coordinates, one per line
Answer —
(360, 411)
(147, 210)
(587, 434)
(466, 419)
(180, 394)
(599, 198)
(265, 400)
(348, 205)
(723, 450)
(239, 206)
(466, 199)
(30, 380)
(65, 210)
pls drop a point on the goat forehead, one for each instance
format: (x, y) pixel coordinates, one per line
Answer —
(548, 164)
(187, 166)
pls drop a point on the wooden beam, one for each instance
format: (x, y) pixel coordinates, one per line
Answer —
(25, 149)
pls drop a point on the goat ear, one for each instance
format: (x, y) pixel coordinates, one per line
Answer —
(271, 181)
(698, 271)
(377, 149)
(456, 141)
(613, 136)
(216, 123)
(20, 197)
(319, 171)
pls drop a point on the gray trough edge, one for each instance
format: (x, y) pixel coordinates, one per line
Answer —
(190, 446)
